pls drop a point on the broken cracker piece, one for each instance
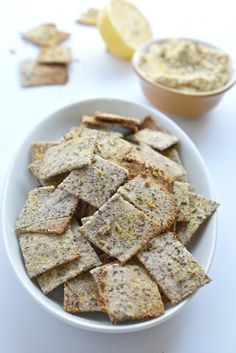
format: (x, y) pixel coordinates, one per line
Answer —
(81, 294)
(47, 210)
(60, 274)
(173, 268)
(42, 252)
(127, 292)
(96, 183)
(45, 35)
(157, 139)
(35, 74)
(200, 209)
(119, 229)
(89, 17)
(55, 55)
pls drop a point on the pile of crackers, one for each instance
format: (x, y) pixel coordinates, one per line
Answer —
(50, 68)
(112, 219)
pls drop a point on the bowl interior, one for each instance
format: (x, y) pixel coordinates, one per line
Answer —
(19, 182)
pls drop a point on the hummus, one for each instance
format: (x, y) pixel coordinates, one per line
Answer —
(185, 65)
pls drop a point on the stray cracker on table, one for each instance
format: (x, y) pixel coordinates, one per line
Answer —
(112, 219)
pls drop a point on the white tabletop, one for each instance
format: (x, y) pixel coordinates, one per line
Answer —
(207, 323)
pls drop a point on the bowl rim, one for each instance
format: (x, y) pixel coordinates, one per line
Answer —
(215, 92)
(30, 287)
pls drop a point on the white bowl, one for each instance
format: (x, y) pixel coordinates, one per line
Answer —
(19, 182)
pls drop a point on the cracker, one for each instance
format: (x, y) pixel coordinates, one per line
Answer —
(200, 209)
(96, 183)
(151, 123)
(117, 119)
(42, 252)
(151, 198)
(81, 294)
(181, 192)
(173, 154)
(39, 148)
(173, 268)
(69, 155)
(55, 55)
(150, 158)
(157, 139)
(119, 229)
(35, 74)
(45, 35)
(89, 17)
(34, 169)
(111, 148)
(127, 292)
(47, 210)
(60, 274)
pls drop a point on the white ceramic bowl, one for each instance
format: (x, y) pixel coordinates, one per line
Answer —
(19, 182)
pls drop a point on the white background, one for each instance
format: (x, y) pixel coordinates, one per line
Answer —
(208, 322)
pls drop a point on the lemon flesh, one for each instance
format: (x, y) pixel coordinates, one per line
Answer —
(123, 28)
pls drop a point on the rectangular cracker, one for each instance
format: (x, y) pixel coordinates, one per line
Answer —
(157, 139)
(42, 252)
(119, 229)
(173, 154)
(47, 210)
(34, 74)
(173, 268)
(151, 198)
(68, 155)
(117, 119)
(127, 292)
(96, 183)
(55, 55)
(200, 209)
(60, 274)
(45, 35)
(181, 193)
(81, 294)
(150, 158)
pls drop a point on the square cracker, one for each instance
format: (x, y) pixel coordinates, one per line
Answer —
(60, 274)
(89, 17)
(81, 294)
(45, 35)
(112, 148)
(119, 229)
(151, 198)
(42, 252)
(96, 183)
(173, 268)
(144, 154)
(127, 292)
(34, 74)
(181, 193)
(47, 210)
(159, 140)
(200, 209)
(68, 155)
(55, 55)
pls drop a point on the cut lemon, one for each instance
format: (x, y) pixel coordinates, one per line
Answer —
(123, 27)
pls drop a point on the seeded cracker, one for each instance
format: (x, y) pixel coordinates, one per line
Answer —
(157, 139)
(89, 17)
(150, 122)
(119, 229)
(150, 158)
(173, 268)
(127, 292)
(47, 210)
(181, 193)
(60, 274)
(96, 183)
(81, 294)
(200, 209)
(35, 74)
(69, 155)
(55, 55)
(43, 252)
(111, 148)
(117, 120)
(45, 35)
(173, 154)
(151, 198)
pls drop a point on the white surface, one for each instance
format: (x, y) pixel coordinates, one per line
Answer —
(207, 324)
(20, 182)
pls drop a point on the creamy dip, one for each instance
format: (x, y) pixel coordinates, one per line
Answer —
(185, 65)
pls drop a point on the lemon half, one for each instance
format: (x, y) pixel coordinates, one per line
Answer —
(123, 27)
